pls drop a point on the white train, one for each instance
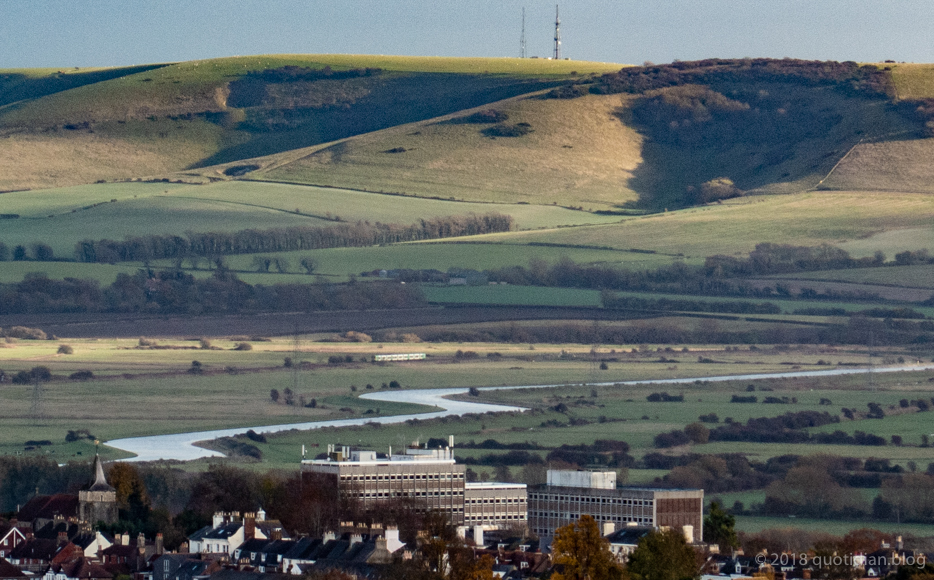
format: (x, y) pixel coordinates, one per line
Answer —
(395, 357)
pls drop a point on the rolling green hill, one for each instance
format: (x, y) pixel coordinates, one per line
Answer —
(67, 129)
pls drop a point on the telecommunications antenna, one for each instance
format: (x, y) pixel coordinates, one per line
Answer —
(522, 38)
(557, 54)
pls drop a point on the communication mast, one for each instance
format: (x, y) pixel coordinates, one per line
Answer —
(557, 55)
(522, 38)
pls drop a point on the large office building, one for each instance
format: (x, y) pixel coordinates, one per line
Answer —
(429, 476)
(568, 495)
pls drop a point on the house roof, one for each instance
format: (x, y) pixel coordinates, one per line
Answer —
(49, 506)
(8, 570)
(35, 549)
(83, 569)
(51, 530)
(629, 536)
(221, 533)
(303, 548)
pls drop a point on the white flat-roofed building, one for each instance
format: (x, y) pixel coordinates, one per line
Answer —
(430, 476)
(494, 505)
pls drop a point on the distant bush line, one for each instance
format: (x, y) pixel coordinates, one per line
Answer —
(176, 292)
(848, 76)
(214, 244)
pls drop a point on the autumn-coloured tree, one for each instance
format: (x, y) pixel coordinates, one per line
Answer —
(132, 497)
(663, 555)
(582, 553)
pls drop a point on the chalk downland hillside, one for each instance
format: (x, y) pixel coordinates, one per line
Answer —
(651, 138)
(142, 121)
(530, 149)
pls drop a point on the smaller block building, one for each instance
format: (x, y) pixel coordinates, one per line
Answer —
(568, 495)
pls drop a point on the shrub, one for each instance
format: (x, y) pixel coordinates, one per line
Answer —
(196, 368)
(146, 342)
(26, 333)
(742, 399)
(81, 376)
(671, 439)
(287, 362)
(474, 392)
(254, 436)
(697, 433)
(274, 395)
(243, 346)
(711, 418)
(205, 343)
(482, 117)
(503, 130)
(25, 378)
(65, 349)
(664, 398)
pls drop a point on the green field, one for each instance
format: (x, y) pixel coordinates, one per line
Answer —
(150, 391)
(547, 296)
(750, 524)
(858, 222)
(916, 276)
(62, 217)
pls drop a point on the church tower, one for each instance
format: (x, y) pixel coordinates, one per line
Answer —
(99, 502)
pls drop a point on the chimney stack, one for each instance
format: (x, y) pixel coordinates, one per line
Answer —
(159, 545)
(124, 539)
(608, 528)
(249, 526)
(141, 543)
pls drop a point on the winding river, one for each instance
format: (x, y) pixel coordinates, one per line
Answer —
(181, 446)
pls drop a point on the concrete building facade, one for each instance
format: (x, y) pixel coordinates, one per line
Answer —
(429, 476)
(570, 494)
(495, 505)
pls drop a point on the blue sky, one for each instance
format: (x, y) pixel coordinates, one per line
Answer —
(59, 33)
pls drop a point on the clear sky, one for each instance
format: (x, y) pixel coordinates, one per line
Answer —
(59, 33)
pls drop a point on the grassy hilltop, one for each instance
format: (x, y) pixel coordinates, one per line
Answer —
(72, 127)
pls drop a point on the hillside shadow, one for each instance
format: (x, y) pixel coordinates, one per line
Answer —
(758, 135)
(360, 106)
(18, 87)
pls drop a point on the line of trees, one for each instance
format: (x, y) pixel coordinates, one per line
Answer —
(148, 291)
(849, 76)
(215, 244)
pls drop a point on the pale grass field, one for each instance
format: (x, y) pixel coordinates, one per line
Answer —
(861, 222)
(579, 154)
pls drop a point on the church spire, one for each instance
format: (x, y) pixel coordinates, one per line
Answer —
(100, 480)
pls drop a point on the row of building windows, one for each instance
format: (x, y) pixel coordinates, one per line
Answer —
(565, 516)
(405, 477)
(496, 500)
(490, 520)
(601, 500)
(377, 495)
